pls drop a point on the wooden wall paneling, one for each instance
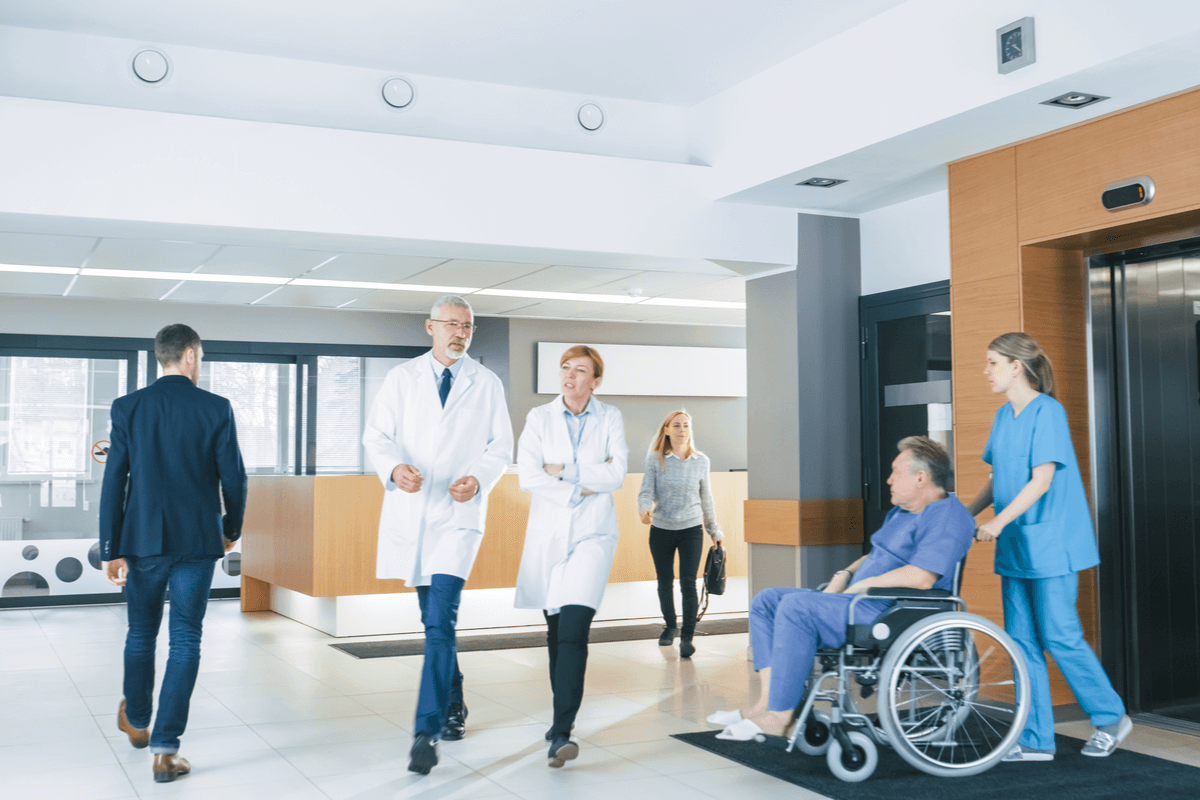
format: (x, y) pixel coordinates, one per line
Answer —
(1054, 311)
(256, 594)
(499, 557)
(632, 561)
(729, 491)
(1060, 176)
(829, 522)
(773, 522)
(346, 523)
(983, 217)
(980, 311)
(277, 535)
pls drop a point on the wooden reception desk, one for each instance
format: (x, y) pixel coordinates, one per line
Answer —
(316, 535)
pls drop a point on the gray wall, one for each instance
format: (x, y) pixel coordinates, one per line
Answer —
(719, 422)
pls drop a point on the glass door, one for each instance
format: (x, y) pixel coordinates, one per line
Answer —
(906, 387)
(54, 430)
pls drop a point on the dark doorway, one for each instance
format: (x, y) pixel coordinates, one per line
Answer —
(1145, 312)
(906, 387)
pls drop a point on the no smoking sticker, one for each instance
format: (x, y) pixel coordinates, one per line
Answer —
(100, 451)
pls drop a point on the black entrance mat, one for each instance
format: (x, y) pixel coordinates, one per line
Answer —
(513, 641)
(1071, 776)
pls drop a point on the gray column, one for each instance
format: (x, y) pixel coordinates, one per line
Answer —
(803, 386)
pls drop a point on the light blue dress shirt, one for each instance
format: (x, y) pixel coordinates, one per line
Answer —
(575, 425)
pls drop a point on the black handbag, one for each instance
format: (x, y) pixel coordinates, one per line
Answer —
(714, 570)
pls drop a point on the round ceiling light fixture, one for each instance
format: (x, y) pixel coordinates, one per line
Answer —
(150, 66)
(591, 117)
(398, 93)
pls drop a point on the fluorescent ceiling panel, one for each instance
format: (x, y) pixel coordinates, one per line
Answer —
(566, 278)
(278, 262)
(37, 248)
(474, 273)
(149, 254)
(16, 283)
(577, 297)
(371, 267)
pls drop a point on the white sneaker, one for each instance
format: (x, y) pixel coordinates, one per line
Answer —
(1103, 744)
(1019, 753)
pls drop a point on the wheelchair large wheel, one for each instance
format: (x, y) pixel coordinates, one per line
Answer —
(857, 763)
(954, 694)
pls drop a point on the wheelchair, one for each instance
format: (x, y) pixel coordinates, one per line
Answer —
(948, 690)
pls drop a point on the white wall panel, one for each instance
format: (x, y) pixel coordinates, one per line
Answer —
(655, 370)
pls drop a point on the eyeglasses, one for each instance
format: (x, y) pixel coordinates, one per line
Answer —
(467, 327)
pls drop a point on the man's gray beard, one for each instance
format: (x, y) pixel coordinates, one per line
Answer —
(455, 356)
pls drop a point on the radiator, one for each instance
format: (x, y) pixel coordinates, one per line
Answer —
(12, 529)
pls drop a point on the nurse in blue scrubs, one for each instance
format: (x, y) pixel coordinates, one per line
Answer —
(1043, 535)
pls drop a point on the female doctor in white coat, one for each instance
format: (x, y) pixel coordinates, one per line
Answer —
(572, 457)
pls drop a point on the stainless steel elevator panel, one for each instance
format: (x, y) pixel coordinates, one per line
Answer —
(1146, 459)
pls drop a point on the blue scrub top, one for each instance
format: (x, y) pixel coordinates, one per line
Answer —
(1054, 537)
(936, 540)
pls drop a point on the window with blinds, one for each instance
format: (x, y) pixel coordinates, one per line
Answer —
(339, 413)
(254, 392)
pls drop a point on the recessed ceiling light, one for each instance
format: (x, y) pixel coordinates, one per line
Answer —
(150, 65)
(676, 301)
(821, 183)
(580, 297)
(1073, 100)
(41, 270)
(203, 277)
(398, 93)
(591, 117)
(388, 287)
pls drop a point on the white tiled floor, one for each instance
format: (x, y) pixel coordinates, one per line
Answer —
(277, 713)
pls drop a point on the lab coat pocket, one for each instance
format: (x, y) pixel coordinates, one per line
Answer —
(467, 515)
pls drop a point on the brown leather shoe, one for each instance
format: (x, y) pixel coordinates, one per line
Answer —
(138, 737)
(169, 766)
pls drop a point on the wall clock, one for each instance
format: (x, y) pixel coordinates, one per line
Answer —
(1014, 46)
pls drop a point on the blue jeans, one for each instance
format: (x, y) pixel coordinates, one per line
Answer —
(1039, 614)
(189, 579)
(441, 680)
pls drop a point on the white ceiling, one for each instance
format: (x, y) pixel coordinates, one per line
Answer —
(667, 61)
(676, 52)
(173, 259)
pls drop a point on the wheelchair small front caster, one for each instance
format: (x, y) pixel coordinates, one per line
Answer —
(816, 738)
(856, 763)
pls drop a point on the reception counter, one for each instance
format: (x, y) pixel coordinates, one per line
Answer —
(308, 552)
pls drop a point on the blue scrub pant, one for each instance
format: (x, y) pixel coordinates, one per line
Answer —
(1039, 614)
(441, 680)
(788, 626)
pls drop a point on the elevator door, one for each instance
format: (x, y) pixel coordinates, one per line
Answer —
(1156, 324)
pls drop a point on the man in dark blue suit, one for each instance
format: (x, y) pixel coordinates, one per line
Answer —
(174, 455)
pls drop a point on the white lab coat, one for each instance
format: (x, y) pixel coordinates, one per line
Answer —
(428, 533)
(569, 551)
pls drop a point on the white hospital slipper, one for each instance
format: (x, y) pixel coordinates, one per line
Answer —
(744, 731)
(725, 718)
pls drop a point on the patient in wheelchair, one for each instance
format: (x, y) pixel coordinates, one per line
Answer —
(922, 540)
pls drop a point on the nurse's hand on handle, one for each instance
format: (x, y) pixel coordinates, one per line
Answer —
(464, 489)
(407, 478)
(988, 532)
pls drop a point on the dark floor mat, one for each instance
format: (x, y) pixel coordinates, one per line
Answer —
(1071, 776)
(513, 641)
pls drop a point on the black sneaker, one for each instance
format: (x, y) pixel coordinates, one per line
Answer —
(686, 648)
(423, 756)
(562, 750)
(667, 637)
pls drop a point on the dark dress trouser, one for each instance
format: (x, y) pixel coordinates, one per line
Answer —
(663, 544)
(567, 640)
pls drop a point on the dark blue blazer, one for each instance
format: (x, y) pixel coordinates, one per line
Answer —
(173, 455)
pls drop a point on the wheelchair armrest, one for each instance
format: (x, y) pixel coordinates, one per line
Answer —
(902, 592)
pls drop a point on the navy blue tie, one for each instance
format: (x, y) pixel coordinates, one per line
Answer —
(444, 389)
